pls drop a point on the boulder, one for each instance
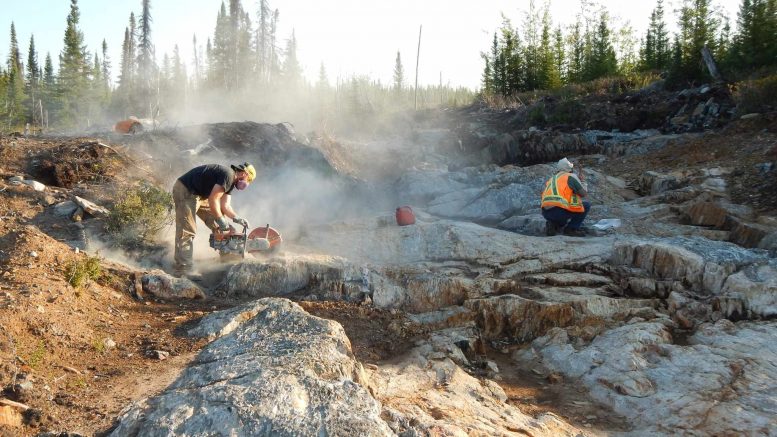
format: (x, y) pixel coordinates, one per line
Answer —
(282, 275)
(221, 323)
(167, 287)
(532, 224)
(90, 207)
(755, 288)
(748, 234)
(652, 183)
(282, 372)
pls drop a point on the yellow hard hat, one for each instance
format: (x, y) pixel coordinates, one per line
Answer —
(248, 168)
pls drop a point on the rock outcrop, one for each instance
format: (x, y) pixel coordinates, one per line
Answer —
(282, 372)
(718, 383)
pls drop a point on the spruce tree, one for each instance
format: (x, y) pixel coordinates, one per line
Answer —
(274, 66)
(105, 70)
(233, 42)
(48, 88)
(145, 60)
(292, 71)
(399, 73)
(246, 57)
(323, 78)
(487, 87)
(197, 63)
(97, 99)
(559, 55)
(73, 70)
(655, 51)
(218, 72)
(532, 49)
(495, 67)
(550, 76)
(513, 58)
(33, 81)
(263, 40)
(602, 61)
(14, 105)
(576, 44)
(755, 43)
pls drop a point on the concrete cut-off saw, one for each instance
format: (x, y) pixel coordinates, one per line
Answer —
(261, 240)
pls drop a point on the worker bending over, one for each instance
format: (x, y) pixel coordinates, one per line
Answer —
(562, 206)
(205, 191)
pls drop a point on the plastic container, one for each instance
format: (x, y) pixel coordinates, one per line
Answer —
(405, 216)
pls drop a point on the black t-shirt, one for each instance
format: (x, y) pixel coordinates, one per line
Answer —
(201, 180)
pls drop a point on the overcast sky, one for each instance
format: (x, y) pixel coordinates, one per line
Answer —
(348, 36)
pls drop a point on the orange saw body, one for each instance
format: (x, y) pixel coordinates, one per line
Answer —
(263, 239)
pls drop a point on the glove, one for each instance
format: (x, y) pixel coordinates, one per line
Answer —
(223, 225)
(241, 221)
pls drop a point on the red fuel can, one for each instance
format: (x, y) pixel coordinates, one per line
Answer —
(405, 216)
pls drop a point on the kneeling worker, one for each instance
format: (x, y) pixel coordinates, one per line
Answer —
(561, 201)
(205, 191)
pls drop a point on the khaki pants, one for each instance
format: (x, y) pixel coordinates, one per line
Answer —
(187, 205)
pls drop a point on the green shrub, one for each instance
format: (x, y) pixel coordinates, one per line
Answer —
(139, 215)
(82, 270)
(757, 95)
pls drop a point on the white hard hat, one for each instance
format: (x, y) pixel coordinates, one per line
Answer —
(564, 165)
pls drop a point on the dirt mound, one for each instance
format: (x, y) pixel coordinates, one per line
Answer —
(74, 162)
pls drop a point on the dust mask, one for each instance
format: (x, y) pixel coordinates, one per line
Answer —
(241, 184)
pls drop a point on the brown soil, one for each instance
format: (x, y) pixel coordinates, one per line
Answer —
(82, 349)
(740, 147)
(75, 356)
(375, 334)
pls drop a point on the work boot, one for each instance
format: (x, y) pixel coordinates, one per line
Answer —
(550, 229)
(577, 232)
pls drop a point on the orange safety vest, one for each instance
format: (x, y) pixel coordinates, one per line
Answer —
(558, 193)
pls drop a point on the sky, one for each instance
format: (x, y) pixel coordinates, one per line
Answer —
(348, 36)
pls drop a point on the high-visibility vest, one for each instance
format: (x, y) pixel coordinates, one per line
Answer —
(558, 193)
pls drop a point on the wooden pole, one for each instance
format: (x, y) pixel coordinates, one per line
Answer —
(417, 58)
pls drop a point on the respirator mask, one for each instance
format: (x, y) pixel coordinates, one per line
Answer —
(241, 184)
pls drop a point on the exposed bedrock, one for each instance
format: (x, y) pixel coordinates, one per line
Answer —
(720, 383)
(282, 372)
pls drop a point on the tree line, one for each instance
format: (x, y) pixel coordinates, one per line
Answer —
(242, 68)
(539, 56)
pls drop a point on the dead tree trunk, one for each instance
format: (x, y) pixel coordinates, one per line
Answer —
(712, 67)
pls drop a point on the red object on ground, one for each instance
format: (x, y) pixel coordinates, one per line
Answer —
(405, 216)
(128, 126)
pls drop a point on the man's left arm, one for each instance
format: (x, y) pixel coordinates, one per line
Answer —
(579, 187)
